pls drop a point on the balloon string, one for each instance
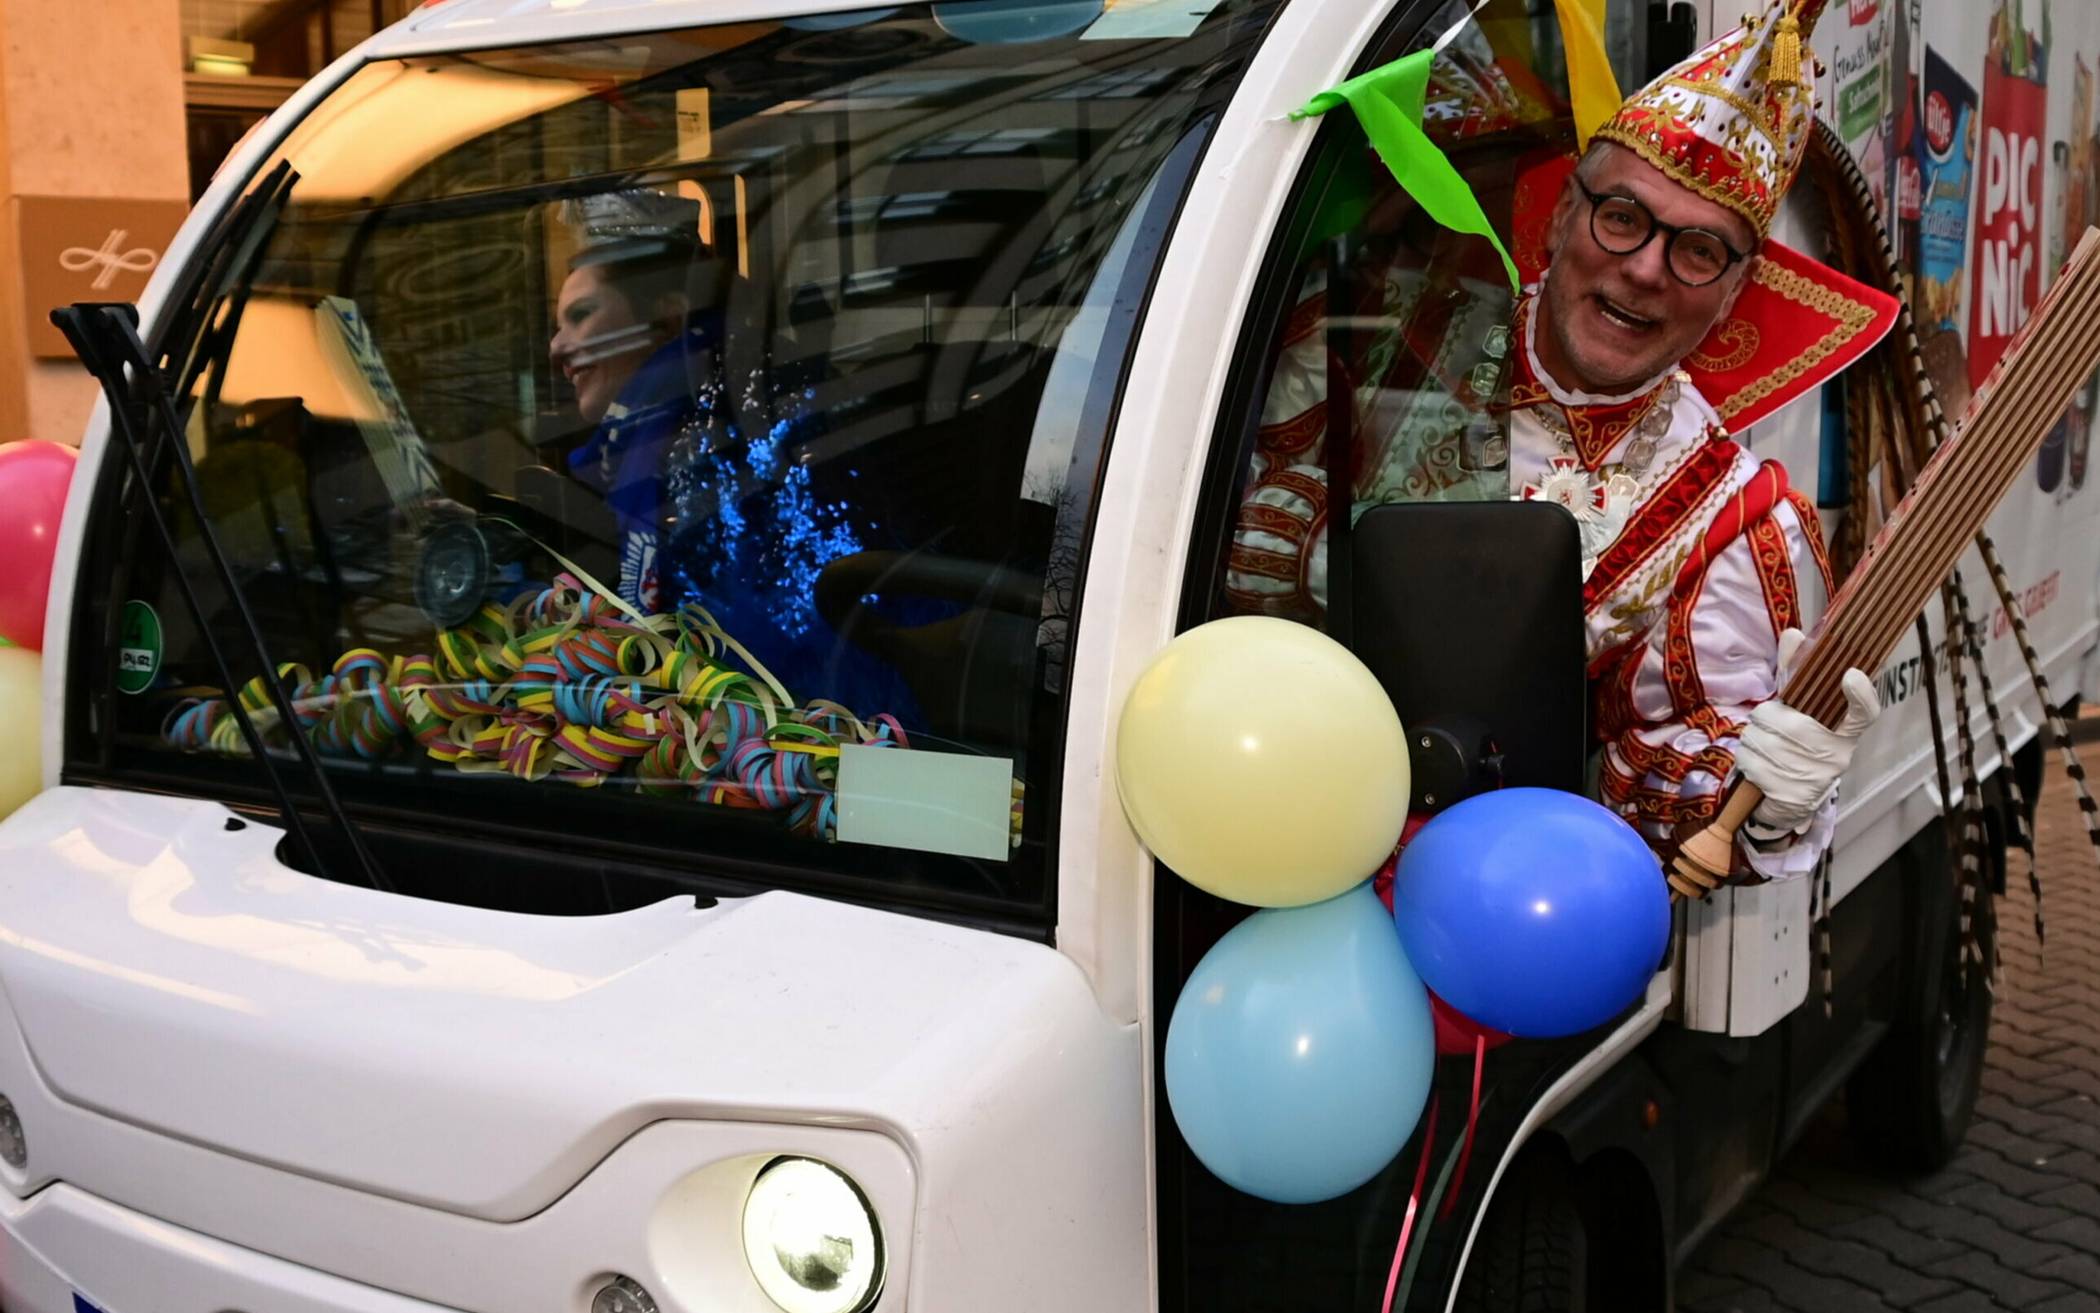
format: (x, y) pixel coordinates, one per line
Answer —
(1414, 1202)
(1465, 1153)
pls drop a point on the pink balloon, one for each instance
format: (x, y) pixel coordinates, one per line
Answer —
(33, 479)
(1456, 1032)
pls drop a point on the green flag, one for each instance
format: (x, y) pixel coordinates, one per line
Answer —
(1388, 102)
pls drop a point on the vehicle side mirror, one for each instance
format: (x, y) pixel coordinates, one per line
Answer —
(1471, 616)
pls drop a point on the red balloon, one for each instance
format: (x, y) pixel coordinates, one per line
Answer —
(1382, 879)
(33, 479)
(1456, 1032)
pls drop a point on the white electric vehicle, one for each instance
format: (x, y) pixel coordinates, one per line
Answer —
(989, 298)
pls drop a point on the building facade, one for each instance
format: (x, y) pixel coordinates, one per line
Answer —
(113, 116)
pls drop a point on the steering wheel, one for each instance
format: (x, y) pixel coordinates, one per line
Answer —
(971, 672)
(843, 583)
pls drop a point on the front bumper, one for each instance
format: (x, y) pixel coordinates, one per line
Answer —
(498, 1113)
(63, 1251)
(663, 1209)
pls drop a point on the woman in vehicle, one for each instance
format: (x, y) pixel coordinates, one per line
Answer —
(628, 341)
(706, 512)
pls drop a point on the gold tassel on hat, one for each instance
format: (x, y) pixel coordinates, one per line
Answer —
(1786, 52)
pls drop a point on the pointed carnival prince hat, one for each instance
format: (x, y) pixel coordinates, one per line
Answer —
(1732, 123)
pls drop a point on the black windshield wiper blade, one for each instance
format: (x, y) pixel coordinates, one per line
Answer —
(235, 243)
(106, 338)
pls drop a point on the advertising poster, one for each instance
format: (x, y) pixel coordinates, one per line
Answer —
(1906, 183)
(1946, 157)
(2008, 260)
(2071, 157)
(2072, 176)
(1994, 161)
(2082, 174)
(1858, 97)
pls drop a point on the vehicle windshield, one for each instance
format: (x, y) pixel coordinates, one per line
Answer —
(680, 444)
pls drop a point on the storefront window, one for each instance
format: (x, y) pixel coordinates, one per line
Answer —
(243, 58)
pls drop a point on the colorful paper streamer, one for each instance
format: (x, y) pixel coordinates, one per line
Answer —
(569, 685)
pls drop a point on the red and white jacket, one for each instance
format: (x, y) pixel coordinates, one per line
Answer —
(1697, 557)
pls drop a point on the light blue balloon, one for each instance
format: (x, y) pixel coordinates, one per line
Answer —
(1300, 1053)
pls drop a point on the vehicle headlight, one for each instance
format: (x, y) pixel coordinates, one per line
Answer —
(811, 1239)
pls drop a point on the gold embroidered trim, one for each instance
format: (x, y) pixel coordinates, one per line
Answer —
(1851, 316)
(1745, 206)
(1666, 560)
(1741, 338)
(1812, 529)
(1760, 117)
(1522, 396)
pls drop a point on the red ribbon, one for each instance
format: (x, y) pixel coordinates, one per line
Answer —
(1414, 1201)
(1458, 1179)
(1465, 1154)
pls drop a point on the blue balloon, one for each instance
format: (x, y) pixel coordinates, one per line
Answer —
(1532, 911)
(1300, 1052)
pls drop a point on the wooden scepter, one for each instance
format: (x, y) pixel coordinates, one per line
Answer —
(2048, 359)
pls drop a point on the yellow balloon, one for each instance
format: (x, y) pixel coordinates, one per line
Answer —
(22, 711)
(1263, 762)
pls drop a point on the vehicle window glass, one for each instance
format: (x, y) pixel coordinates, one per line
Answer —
(1365, 300)
(683, 440)
(1405, 319)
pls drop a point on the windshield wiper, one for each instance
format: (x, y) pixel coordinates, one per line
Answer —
(106, 338)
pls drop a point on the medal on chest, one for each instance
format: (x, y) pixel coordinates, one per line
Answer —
(1604, 499)
(1600, 503)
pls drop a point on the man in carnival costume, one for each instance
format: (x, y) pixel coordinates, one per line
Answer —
(1663, 319)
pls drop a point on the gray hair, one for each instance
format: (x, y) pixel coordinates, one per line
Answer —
(1592, 160)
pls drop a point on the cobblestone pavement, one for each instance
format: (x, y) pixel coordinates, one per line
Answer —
(2014, 1222)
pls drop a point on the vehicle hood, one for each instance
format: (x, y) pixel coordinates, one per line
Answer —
(172, 973)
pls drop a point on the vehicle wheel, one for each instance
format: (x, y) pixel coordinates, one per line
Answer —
(1910, 1102)
(1532, 1254)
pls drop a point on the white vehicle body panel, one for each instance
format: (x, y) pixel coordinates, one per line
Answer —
(477, 1071)
(1155, 466)
(135, 1262)
(653, 1210)
(269, 1002)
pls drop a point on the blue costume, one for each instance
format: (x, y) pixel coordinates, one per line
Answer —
(711, 516)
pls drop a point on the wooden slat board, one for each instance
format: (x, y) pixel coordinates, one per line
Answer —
(1954, 494)
(1997, 435)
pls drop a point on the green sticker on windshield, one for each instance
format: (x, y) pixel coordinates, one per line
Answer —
(138, 648)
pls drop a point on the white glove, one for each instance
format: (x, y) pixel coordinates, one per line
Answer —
(1795, 761)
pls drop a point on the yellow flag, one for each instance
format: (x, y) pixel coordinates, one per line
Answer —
(1590, 82)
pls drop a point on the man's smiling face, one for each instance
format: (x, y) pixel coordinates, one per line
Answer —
(1608, 322)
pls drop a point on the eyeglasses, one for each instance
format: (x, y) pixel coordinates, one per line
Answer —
(1622, 225)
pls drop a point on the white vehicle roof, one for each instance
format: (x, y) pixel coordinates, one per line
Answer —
(463, 24)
